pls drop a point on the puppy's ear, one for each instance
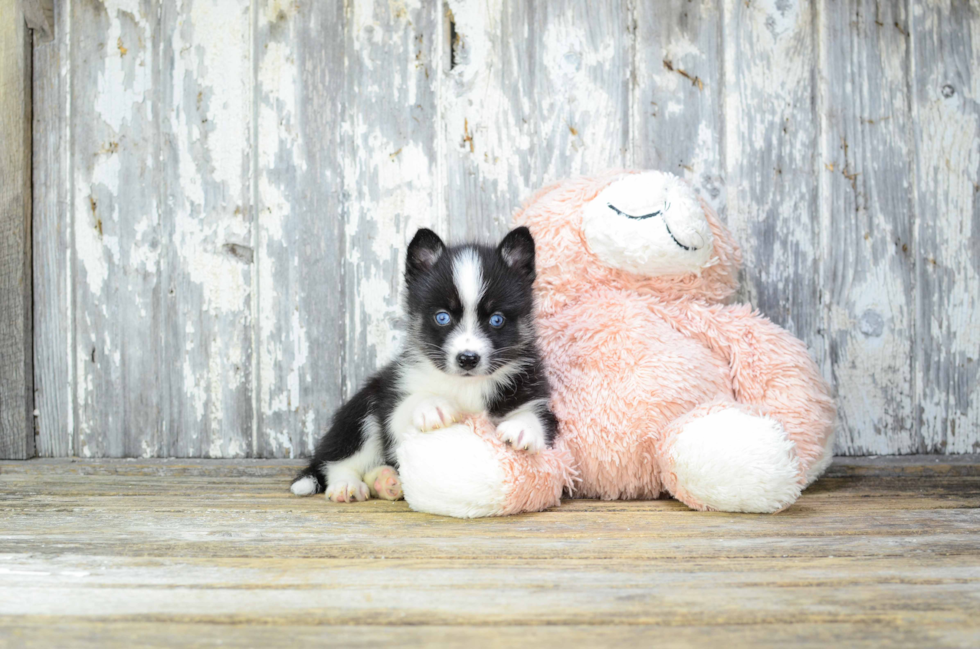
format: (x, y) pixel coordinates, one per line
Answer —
(517, 251)
(423, 253)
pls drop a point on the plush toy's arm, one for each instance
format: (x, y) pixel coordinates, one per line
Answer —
(465, 471)
(772, 373)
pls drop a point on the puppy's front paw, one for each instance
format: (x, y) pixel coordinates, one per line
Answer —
(434, 413)
(522, 432)
(348, 491)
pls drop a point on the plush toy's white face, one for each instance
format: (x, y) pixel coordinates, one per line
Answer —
(649, 223)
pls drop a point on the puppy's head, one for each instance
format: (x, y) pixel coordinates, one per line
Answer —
(470, 306)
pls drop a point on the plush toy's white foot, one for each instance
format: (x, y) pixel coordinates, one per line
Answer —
(434, 413)
(452, 472)
(383, 481)
(735, 462)
(522, 431)
(348, 491)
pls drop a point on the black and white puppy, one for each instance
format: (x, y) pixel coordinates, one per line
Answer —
(470, 348)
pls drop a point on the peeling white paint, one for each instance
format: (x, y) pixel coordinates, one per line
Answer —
(194, 391)
(223, 68)
(116, 100)
(949, 148)
(88, 247)
(480, 139)
(310, 432)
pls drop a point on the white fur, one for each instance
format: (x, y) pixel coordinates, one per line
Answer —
(305, 486)
(735, 462)
(468, 337)
(522, 428)
(468, 278)
(420, 380)
(434, 412)
(646, 246)
(451, 472)
(345, 477)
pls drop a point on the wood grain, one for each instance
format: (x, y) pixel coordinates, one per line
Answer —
(532, 93)
(945, 88)
(486, 130)
(677, 113)
(39, 15)
(45, 632)
(579, 86)
(118, 234)
(224, 191)
(53, 249)
(866, 222)
(770, 144)
(298, 307)
(206, 220)
(883, 548)
(16, 336)
(391, 170)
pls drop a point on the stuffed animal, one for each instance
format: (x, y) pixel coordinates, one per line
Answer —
(659, 386)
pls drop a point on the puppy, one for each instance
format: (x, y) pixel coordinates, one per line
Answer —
(470, 348)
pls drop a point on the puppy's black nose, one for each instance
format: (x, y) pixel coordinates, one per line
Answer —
(467, 360)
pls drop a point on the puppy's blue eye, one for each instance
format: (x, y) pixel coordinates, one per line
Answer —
(496, 321)
(443, 318)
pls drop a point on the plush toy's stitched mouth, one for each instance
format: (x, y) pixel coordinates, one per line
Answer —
(649, 216)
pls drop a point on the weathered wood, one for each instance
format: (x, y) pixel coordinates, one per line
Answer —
(205, 100)
(45, 632)
(117, 234)
(224, 192)
(677, 114)
(16, 337)
(53, 250)
(946, 129)
(533, 93)
(39, 15)
(298, 308)
(577, 85)
(391, 171)
(770, 159)
(177, 547)
(866, 223)
(486, 121)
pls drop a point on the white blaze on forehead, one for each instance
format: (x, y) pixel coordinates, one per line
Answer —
(468, 278)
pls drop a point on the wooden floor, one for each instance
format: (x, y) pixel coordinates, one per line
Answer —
(141, 553)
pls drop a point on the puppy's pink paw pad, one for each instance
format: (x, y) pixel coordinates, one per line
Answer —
(385, 484)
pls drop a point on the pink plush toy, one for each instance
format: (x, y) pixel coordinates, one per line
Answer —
(659, 386)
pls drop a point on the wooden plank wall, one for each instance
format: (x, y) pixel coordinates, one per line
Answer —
(16, 373)
(223, 191)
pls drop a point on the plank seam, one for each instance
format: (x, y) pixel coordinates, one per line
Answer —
(72, 252)
(255, 301)
(913, 111)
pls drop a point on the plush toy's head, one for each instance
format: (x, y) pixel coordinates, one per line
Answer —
(646, 231)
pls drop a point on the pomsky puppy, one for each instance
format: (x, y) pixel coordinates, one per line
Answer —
(471, 347)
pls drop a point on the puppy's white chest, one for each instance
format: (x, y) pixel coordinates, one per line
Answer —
(468, 395)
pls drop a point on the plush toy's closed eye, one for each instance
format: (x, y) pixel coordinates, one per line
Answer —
(651, 215)
(630, 216)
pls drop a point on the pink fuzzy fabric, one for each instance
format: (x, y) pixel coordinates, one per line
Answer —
(632, 358)
(534, 482)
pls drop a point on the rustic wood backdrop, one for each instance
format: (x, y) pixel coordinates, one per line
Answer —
(223, 190)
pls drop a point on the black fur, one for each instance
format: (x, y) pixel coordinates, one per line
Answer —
(508, 274)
